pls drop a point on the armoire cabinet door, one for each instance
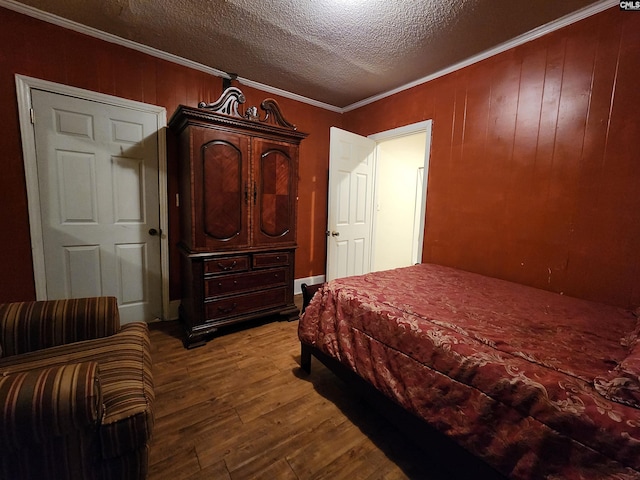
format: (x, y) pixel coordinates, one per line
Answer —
(221, 176)
(275, 179)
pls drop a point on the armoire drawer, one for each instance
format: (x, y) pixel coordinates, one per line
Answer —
(227, 307)
(272, 259)
(227, 284)
(239, 263)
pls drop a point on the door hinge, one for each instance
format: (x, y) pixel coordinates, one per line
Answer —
(32, 116)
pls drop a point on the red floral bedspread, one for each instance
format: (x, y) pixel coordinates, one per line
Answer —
(507, 371)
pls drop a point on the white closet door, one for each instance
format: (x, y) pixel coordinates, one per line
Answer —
(98, 180)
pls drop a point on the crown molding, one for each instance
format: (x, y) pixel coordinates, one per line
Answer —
(107, 37)
(154, 52)
(290, 95)
(567, 20)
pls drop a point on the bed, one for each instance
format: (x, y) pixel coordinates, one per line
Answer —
(533, 383)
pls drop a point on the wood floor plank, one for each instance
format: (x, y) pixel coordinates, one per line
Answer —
(265, 468)
(174, 431)
(331, 441)
(360, 461)
(266, 395)
(182, 464)
(217, 471)
(239, 407)
(276, 432)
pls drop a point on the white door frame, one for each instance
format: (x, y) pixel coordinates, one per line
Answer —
(24, 85)
(419, 127)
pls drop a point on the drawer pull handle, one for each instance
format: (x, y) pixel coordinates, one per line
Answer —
(228, 309)
(226, 268)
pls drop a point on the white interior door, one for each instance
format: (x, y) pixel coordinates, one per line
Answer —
(98, 180)
(351, 169)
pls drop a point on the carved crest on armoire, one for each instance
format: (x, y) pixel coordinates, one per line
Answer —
(238, 213)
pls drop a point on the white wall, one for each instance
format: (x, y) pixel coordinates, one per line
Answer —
(398, 161)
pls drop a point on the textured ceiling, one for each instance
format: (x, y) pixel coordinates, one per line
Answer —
(337, 52)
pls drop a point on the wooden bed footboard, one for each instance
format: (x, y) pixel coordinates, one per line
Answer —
(463, 465)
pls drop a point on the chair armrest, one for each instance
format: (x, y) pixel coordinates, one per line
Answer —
(29, 326)
(48, 402)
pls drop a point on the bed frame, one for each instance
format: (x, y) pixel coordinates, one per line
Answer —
(452, 456)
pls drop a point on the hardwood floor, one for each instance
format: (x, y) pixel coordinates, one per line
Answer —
(241, 408)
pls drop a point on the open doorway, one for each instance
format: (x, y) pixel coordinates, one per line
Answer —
(398, 210)
(352, 218)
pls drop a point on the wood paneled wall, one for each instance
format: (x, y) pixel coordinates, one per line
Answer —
(38, 49)
(534, 175)
(535, 165)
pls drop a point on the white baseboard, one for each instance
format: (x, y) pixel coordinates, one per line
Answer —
(309, 281)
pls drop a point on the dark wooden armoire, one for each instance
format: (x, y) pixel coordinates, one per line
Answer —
(238, 213)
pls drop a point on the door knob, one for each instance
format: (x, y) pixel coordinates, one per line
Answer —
(335, 234)
(153, 232)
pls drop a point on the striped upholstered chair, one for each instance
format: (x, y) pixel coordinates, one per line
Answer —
(76, 391)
